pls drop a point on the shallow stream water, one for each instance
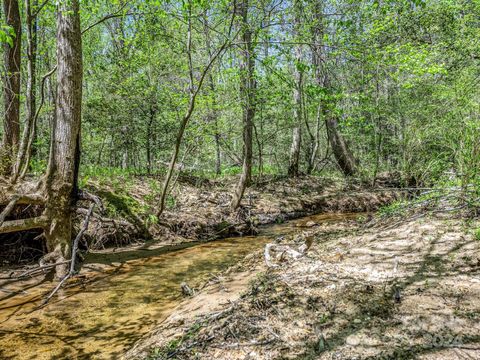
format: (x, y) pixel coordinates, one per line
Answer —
(115, 306)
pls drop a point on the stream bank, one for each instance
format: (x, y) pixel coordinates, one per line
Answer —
(394, 291)
(198, 209)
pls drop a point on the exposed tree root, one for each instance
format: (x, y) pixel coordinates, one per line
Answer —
(74, 255)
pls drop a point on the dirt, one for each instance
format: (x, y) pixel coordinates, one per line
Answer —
(393, 291)
(198, 209)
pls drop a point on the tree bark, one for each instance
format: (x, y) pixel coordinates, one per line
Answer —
(340, 149)
(293, 168)
(315, 143)
(11, 88)
(63, 168)
(247, 94)
(151, 120)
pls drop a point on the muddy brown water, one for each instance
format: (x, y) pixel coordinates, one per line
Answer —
(115, 306)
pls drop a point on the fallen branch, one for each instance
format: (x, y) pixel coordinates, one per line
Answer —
(39, 222)
(33, 272)
(85, 195)
(8, 209)
(236, 345)
(20, 200)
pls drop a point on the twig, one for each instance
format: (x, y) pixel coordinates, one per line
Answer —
(8, 209)
(34, 270)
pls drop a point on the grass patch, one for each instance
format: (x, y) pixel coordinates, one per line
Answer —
(476, 234)
(174, 346)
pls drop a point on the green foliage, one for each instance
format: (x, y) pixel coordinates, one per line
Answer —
(7, 34)
(168, 351)
(170, 201)
(120, 204)
(476, 234)
(38, 166)
(395, 208)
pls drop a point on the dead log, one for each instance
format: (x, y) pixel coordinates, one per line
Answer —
(39, 222)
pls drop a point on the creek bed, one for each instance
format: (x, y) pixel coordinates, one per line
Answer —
(115, 306)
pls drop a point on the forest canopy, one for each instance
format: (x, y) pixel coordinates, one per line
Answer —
(400, 79)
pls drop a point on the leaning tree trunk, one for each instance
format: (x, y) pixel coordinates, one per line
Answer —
(63, 169)
(297, 100)
(11, 88)
(340, 149)
(247, 93)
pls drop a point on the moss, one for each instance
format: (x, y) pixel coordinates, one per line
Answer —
(120, 204)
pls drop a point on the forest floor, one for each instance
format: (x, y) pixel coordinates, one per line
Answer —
(393, 290)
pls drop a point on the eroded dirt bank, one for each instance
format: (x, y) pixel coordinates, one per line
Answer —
(411, 290)
(198, 209)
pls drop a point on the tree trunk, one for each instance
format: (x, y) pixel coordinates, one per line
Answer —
(191, 104)
(151, 120)
(339, 146)
(63, 168)
(247, 94)
(11, 88)
(213, 111)
(315, 143)
(340, 149)
(29, 130)
(293, 168)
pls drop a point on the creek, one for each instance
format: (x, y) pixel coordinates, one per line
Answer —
(117, 303)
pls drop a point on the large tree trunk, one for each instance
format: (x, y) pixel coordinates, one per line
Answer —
(247, 93)
(63, 168)
(11, 88)
(340, 149)
(293, 168)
